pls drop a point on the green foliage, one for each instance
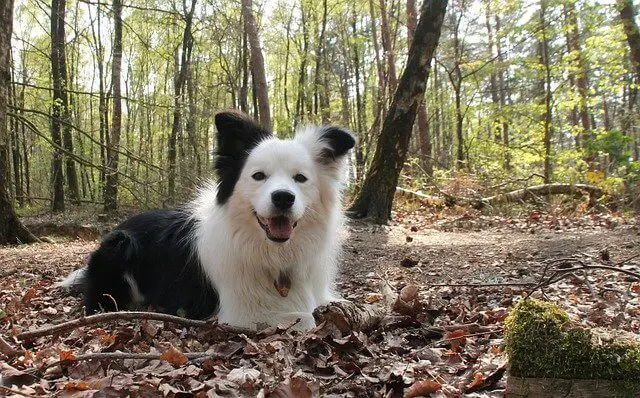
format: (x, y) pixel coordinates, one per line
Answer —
(541, 343)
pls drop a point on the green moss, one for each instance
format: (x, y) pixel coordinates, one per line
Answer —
(542, 344)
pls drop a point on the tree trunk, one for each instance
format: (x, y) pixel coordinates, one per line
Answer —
(179, 81)
(426, 157)
(381, 102)
(111, 173)
(11, 229)
(376, 196)
(493, 78)
(573, 38)
(503, 94)
(628, 17)
(57, 112)
(257, 64)
(547, 118)
(387, 46)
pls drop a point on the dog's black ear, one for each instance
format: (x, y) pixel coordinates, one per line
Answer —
(237, 132)
(338, 141)
(237, 135)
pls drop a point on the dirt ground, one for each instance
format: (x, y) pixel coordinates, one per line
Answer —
(468, 271)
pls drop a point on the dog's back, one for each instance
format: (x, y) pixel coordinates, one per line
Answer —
(149, 259)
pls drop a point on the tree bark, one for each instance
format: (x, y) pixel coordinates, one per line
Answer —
(257, 64)
(376, 196)
(504, 95)
(58, 106)
(179, 82)
(111, 173)
(60, 96)
(387, 46)
(11, 229)
(426, 157)
(546, 82)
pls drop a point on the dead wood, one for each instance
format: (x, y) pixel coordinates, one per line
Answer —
(126, 315)
(348, 316)
(519, 195)
(521, 387)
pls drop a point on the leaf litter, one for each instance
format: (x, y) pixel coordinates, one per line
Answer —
(442, 336)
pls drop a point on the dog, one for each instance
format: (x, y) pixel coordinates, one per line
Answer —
(259, 247)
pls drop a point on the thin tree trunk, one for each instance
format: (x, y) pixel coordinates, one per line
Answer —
(179, 81)
(257, 64)
(302, 76)
(381, 102)
(387, 45)
(547, 117)
(111, 174)
(11, 229)
(376, 196)
(58, 107)
(493, 78)
(61, 98)
(423, 120)
(503, 94)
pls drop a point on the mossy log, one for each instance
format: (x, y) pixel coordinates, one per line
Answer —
(548, 356)
(520, 387)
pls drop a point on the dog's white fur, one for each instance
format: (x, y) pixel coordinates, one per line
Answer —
(243, 263)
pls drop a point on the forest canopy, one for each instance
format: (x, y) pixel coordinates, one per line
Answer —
(542, 90)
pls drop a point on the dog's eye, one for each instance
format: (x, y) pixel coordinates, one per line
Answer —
(300, 178)
(258, 176)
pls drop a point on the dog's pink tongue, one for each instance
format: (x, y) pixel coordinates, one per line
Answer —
(280, 227)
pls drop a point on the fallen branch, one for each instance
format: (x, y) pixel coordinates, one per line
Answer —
(126, 315)
(567, 266)
(533, 192)
(480, 285)
(348, 316)
(6, 349)
(8, 273)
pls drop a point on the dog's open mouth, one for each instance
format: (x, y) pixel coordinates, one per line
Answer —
(278, 229)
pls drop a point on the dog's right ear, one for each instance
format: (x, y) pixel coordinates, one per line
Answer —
(237, 132)
(237, 135)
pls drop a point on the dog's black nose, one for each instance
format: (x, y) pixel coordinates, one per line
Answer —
(282, 199)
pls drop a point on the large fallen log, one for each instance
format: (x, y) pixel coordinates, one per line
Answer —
(534, 192)
(520, 195)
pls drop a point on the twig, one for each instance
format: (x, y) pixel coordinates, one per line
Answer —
(8, 273)
(479, 284)
(126, 315)
(17, 392)
(113, 356)
(578, 265)
(619, 263)
(6, 349)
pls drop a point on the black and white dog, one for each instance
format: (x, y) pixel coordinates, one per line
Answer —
(258, 247)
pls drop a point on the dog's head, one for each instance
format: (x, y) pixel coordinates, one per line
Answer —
(279, 183)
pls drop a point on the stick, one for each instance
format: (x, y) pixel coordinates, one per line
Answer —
(8, 273)
(6, 349)
(126, 315)
(348, 316)
(480, 284)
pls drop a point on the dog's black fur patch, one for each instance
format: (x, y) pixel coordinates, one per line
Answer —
(339, 140)
(156, 249)
(237, 136)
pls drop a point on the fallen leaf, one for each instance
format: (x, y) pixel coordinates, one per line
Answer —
(67, 356)
(174, 357)
(422, 388)
(456, 338)
(244, 377)
(10, 376)
(477, 381)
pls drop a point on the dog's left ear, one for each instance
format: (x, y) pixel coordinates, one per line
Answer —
(337, 142)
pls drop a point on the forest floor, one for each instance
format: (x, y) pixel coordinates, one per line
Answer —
(468, 270)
